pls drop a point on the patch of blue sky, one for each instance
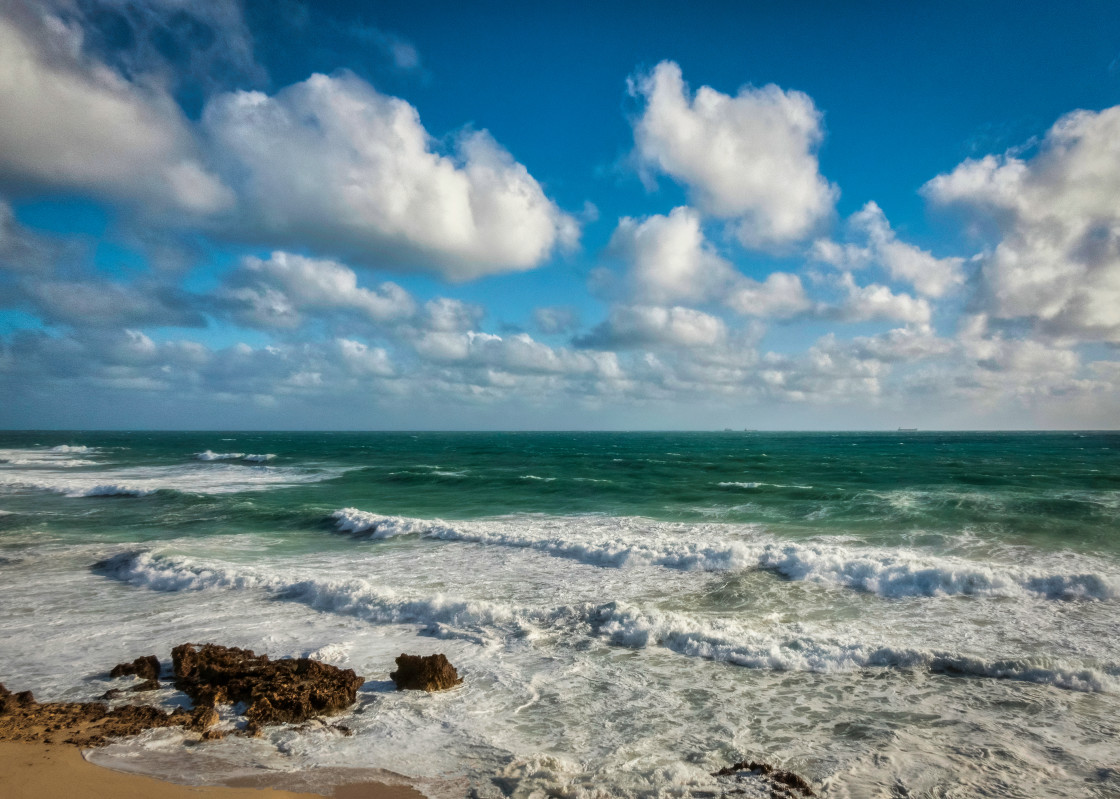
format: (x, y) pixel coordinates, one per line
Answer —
(64, 215)
(13, 320)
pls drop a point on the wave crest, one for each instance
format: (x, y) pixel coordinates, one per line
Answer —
(233, 456)
(889, 573)
(619, 623)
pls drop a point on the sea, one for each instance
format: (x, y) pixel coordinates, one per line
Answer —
(889, 614)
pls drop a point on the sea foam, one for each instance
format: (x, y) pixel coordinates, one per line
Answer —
(619, 623)
(233, 456)
(889, 573)
(440, 616)
(138, 481)
(60, 457)
(735, 643)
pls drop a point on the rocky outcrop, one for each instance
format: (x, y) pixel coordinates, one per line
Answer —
(83, 723)
(783, 783)
(275, 691)
(424, 673)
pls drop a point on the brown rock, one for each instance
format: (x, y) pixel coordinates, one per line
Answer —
(213, 735)
(80, 723)
(203, 718)
(424, 673)
(112, 693)
(785, 782)
(10, 702)
(146, 668)
(276, 691)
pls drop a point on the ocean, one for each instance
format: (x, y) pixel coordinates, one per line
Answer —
(886, 614)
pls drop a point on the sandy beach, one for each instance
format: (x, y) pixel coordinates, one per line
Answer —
(45, 746)
(37, 770)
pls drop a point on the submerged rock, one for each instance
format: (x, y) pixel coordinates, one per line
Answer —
(784, 783)
(275, 691)
(424, 673)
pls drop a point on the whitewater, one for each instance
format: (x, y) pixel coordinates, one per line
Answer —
(888, 614)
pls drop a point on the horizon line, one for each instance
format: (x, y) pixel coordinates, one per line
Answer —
(552, 430)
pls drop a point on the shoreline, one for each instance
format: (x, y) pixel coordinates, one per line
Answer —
(31, 770)
(49, 748)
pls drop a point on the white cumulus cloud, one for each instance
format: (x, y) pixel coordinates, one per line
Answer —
(333, 162)
(1057, 260)
(630, 326)
(780, 296)
(70, 122)
(750, 158)
(670, 261)
(278, 292)
(930, 276)
(877, 302)
(669, 258)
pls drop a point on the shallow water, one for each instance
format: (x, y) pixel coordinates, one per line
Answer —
(886, 614)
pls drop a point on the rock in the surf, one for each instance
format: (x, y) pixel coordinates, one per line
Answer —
(79, 723)
(424, 673)
(275, 691)
(783, 783)
(146, 668)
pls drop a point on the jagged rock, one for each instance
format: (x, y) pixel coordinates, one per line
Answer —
(213, 735)
(275, 691)
(10, 701)
(204, 718)
(424, 673)
(786, 782)
(146, 668)
(79, 723)
(112, 693)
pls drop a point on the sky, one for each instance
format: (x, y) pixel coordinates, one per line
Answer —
(509, 215)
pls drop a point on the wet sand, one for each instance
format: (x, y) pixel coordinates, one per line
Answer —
(37, 770)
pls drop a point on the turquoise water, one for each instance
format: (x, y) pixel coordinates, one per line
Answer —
(1057, 489)
(822, 601)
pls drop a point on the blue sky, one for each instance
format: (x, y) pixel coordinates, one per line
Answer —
(600, 215)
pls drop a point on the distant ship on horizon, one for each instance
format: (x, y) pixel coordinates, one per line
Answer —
(908, 430)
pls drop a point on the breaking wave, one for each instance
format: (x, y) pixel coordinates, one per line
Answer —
(439, 616)
(618, 623)
(233, 456)
(140, 481)
(733, 643)
(60, 457)
(890, 573)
